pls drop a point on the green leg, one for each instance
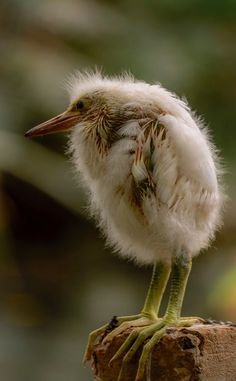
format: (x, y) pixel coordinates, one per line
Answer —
(181, 267)
(148, 315)
(160, 276)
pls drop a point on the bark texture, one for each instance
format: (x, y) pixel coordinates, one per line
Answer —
(204, 352)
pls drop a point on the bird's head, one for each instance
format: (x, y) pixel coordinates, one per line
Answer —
(99, 105)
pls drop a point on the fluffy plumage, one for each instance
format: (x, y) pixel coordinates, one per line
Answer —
(154, 183)
(152, 173)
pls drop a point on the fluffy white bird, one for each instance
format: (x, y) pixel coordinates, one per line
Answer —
(154, 185)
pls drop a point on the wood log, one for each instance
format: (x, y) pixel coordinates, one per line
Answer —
(203, 352)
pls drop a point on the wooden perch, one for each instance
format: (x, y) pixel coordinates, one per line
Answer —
(203, 352)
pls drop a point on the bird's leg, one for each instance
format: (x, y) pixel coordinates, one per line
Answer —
(148, 315)
(160, 276)
(181, 267)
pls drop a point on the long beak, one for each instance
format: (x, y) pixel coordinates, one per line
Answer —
(60, 123)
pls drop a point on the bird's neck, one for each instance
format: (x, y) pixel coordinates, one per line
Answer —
(89, 153)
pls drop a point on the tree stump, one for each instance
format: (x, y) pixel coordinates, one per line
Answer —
(203, 352)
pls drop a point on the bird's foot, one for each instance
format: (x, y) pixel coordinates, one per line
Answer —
(151, 332)
(116, 326)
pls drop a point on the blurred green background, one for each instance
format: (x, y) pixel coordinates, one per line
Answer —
(57, 281)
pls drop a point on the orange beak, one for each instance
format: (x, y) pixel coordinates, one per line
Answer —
(60, 123)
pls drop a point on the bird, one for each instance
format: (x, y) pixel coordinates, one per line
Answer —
(155, 189)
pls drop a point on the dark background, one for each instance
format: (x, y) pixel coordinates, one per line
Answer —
(57, 281)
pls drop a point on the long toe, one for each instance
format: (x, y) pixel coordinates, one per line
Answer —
(142, 322)
(126, 345)
(93, 336)
(146, 353)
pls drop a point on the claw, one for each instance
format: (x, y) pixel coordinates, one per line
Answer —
(146, 353)
(122, 373)
(91, 341)
(125, 346)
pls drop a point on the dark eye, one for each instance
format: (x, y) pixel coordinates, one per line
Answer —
(79, 105)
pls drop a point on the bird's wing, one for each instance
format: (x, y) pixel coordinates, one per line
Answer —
(173, 163)
(193, 150)
(143, 168)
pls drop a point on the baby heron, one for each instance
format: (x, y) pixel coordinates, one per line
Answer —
(153, 180)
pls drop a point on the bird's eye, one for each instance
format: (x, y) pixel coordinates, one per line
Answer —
(79, 105)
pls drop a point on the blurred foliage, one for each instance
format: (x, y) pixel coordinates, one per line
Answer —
(57, 281)
(223, 294)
